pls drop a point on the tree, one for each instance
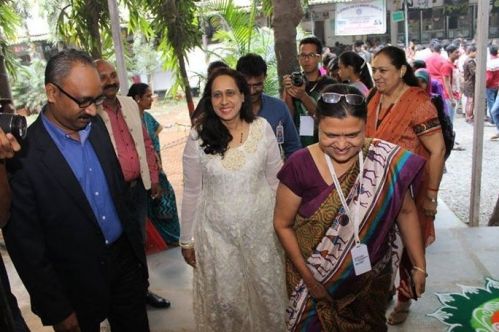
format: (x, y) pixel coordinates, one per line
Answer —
(238, 33)
(86, 23)
(82, 23)
(28, 89)
(287, 14)
(145, 58)
(9, 22)
(176, 25)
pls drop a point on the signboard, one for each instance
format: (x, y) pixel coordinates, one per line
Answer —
(426, 3)
(360, 18)
(398, 16)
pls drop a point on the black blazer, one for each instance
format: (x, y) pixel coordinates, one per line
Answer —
(53, 237)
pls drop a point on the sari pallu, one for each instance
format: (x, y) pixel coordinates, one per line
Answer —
(327, 237)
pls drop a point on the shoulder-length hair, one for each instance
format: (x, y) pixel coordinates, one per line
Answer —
(214, 135)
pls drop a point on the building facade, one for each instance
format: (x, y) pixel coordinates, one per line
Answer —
(427, 19)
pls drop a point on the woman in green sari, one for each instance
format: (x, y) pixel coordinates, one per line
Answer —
(338, 241)
(162, 211)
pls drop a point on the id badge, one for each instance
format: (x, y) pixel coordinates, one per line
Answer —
(360, 259)
(306, 125)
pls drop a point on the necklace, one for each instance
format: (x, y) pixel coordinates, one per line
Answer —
(241, 140)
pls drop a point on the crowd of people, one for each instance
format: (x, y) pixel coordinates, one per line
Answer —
(297, 213)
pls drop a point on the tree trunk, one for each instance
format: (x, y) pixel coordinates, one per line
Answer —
(287, 14)
(494, 218)
(94, 38)
(185, 82)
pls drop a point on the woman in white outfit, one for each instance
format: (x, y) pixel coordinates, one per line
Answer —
(230, 164)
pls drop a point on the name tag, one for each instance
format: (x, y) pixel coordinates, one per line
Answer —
(306, 125)
(360, 259)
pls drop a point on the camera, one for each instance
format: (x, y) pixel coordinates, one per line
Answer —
(297, 78)
(14, 124)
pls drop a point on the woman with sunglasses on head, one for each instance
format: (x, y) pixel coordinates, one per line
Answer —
(231, 160)
(337, 203)
(354, 69)
(161, 211)
(402, 113)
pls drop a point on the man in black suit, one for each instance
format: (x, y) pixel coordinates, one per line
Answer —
(71, 235)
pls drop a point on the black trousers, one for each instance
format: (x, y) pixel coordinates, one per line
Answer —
(8, 299)
(127, 311)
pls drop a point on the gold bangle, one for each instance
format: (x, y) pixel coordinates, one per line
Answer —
(417, 268)
(186, 245)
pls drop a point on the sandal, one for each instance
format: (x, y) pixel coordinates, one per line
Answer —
(399, 313)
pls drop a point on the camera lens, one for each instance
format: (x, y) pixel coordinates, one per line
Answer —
(14, 124)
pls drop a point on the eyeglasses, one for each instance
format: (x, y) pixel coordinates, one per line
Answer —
(85, 102)
(308, 56)
(333, 98)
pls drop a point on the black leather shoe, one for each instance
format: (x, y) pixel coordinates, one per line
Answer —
(157, 301)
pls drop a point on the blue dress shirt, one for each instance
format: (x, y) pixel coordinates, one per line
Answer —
(275, 111)
(86, 167)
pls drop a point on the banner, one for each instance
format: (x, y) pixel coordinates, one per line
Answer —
(360, 18)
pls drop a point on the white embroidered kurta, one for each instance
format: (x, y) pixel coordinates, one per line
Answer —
(228, 204)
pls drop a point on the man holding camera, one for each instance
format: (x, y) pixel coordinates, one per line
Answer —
(302, 90)
(10, 315)
(254, 70)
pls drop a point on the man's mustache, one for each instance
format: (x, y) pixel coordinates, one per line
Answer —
(115, 86)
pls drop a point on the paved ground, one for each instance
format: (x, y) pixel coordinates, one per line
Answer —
(461, 255)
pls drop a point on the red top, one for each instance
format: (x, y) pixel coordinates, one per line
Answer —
(434, 64)
(125, 147)
(493, 75)
(447, 70)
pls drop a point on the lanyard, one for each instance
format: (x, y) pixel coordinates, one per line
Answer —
(356, 217)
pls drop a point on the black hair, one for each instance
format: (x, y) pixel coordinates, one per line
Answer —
(59, 66)
(341, 109)
(435, 46)
(312, 40)
(137, 89)
(445, 43)
(471, 48)
(359, 66)
(398, 59)
(251, 65)
(358, 43)
(215, 65)
(213, 133)
(418, 64)
(493, 50)
(451, 48)
(327, 58)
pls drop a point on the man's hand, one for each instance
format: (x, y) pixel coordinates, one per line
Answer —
(297, 92)
(189, 256)
(70, 324)
(8, 145)
(155, 190)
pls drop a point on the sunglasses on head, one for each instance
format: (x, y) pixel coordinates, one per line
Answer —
(333, 98)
